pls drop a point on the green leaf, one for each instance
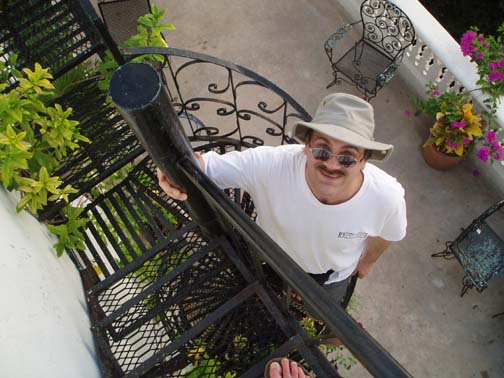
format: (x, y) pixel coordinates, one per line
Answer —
(167, 27)
(69, 234)
(22, 203)
(13, 160)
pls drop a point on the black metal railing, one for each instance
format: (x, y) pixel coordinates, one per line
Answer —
(228, 100)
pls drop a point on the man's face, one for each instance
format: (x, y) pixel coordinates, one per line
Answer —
(329, 181)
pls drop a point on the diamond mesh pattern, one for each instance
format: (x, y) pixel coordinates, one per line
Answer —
(362, 64)
(482, 255)
(120, 17)
(170, 293)
(54, 33)
(230, 344)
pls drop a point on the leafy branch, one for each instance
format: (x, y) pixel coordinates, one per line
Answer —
(149, 33)
(34, 140)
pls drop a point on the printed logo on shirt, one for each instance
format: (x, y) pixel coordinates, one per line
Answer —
(352, 235)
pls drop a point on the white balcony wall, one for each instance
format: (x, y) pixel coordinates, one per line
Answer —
(44, 325)
(437, 57)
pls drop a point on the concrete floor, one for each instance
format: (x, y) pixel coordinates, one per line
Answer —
(411, 302)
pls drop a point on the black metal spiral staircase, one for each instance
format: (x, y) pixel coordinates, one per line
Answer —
(196, 288)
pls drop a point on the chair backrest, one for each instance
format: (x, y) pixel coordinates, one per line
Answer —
(386, 27)
(120, 17)
(57, 34)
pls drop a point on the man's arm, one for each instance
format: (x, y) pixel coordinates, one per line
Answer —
(375, 246)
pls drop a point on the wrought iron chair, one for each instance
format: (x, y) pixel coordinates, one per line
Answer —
(374, 59)
(120, 17)
(479, 249)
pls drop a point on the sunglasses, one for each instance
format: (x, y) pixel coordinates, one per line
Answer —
(346, 161)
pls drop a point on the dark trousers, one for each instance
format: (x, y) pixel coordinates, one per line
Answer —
(336, 290)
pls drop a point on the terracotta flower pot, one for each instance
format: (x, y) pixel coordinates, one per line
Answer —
(439, 160)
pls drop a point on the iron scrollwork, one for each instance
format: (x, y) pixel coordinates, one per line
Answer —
(226, 101)
(386, 25)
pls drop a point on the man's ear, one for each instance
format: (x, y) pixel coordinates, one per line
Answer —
(305, 149)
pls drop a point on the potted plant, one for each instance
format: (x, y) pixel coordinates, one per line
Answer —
(456, 128)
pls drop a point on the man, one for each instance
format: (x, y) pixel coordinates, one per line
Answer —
(323, 203)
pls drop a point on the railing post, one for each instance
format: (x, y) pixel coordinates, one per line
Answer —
(137, 91)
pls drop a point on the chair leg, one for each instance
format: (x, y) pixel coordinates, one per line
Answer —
(369, 96)
(446, 253)
(332, 83)
(466, 285)
(335, 81)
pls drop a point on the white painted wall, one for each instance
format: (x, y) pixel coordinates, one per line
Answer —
(44, 326)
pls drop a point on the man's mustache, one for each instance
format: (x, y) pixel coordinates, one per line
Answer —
(334, 172)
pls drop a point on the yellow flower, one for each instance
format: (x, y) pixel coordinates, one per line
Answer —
(196, 353)
(469, 116)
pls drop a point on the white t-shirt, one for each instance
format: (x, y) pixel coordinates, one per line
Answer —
(318, 237)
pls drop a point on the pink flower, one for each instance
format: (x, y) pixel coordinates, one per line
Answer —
(468, 36)
(458, 124)
(496, 145)
(436, 93)
(467, 140)
(491, 136)
(497, 150)
(481, 37)
(501, 63)
(484, 45)
(494, 76)
(465, 42)
(452, 144)
(483, 154)
(493, 65)
(479, 56)
(407, 112)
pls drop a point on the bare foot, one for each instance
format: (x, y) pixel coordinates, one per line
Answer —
(286, 369)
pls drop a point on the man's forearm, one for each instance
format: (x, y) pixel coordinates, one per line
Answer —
(375, 246)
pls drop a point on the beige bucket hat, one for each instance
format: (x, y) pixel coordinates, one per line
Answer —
(347, 118)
